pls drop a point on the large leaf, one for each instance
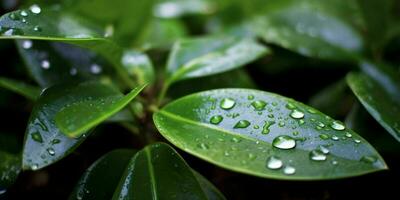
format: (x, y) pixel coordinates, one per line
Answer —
(266, 135)
(51, 24)
(28, 91)
(379, 95)
(199, 57)
(45, 143)
(158, 172)
(101, 179)
(309, 28)
(82, 114)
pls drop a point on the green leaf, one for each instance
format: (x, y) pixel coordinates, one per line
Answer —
(199, 57)
(45, 143)
(28, 91)
(10, 167)
(52, 25)
(379, 95)
(266, 135)
(101, 179)
(51, 63)
(81, 114)
(158, 172)
(311, 28)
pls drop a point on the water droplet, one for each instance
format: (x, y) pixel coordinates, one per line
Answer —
(334, 137)
(45, 64)
(295, 133)
(323, 149)
(270, 115)
(14, 16)
(37, 137)
(317, 155)
(27, 44)
(320, 124)
(368, 159)
(337, 126)
(259, 105)
(274, 162)
(226, 153)
(251, 156)
(73, 71)
(55, 141)
(95, 69)
(34, 166)
(290, 106)
(334, 162)
(281, 124)
(266, 126)
(37, 28)
(24, 13)
(289, 170)
(203, 146)
(312, 111)
(227, 103)
(357, 141)
(297, 114)
(250, 97)
(324, 136)
(349, 135)
(284, 142)
(242, 124)
(35, 9)
(256, 127)
(216, 119)
(301, 122)
(236, 140)
(51, 151)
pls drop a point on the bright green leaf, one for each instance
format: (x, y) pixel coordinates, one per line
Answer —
(158, 172)
(266, 135)
(81, 114)
(380, 97)
(101, 179)
(199, 57)
(28, 91)
(45, 143)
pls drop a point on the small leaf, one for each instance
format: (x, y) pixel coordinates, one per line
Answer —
(28, 91)
(266, 135)
(311, 28)
(379, 95)
(45, 143)
(101, 179)
(210, 55)
(158, 172)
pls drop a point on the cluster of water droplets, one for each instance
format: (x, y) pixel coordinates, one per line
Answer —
(21, 17)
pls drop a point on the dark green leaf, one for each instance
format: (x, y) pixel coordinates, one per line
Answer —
(309, 28)
(210, 55)
(379, 95)
(45, 143)
(101, 179)
(266, 135)
(158, 172)
(28, 91)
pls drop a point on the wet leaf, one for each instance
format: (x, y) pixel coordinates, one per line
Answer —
(28, 91)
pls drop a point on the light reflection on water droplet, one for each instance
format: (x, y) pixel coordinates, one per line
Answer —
(35, 9)
(289, 170)
(284, 142)
(227, 103)
(274, 162)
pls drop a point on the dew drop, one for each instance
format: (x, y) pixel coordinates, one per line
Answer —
(349, 135)
(284, 142)
(250, 97)
(251, 156)
(324, 136)
(320, 124)
(95, 69)
(357, 141)
(281, 124)
(45, 64)
(337, 126)
(24, 13)
(227, 103)
(37, 28)
(323, 149)
(335, 138)
(289, 170)
(216, 119)
(242, 124)
(55, 141)
(267, 125)
(236, 140)
(34, 166)
(51, 151)
(274, 162)
(295, 133)
(35, 9)
(368, 159)
(36, 136)
(334, 162)
(317, 155)
(27, 44)
(297, 114)
(301, 122)
(259, 105)
(290, 106)
(203, 146)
